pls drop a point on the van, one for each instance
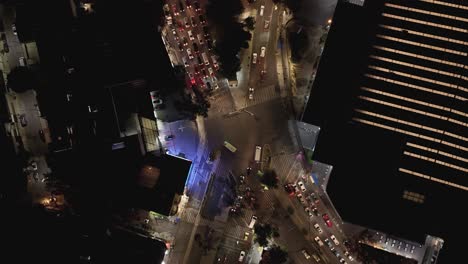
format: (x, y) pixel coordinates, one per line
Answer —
(205, 59)
(253, 221)
(200, 39)
(258, 153)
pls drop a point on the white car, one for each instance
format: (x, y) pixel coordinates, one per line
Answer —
(305, 253)
(190, 35)
(266, 24)
(251, 92)
(318, 228)
(253, 221)
(210, 71)
(334, 240)
(254, 58)
(301, 185)
(241, 256)
(262, 8)
(262, 52)
(319, 242)
(189, 53)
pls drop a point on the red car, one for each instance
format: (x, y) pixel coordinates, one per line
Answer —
(327, 220)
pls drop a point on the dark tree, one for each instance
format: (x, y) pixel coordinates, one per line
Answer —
(249, 22)
(21, 79)
(263, 232)
(274, 255)
(270, 179)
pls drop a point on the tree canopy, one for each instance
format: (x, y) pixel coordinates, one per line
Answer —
(270, 178)
(274, 255)
(21, 79)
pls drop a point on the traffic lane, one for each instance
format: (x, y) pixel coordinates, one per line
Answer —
(322, 209)
(322, 205)
(289, 202)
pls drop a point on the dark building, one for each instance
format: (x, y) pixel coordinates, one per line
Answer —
(391, 98)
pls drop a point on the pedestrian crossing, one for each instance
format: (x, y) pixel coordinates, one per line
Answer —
(282, 164)
(262, 94)
(189, 215)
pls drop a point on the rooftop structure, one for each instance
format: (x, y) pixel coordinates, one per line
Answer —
(394, 123)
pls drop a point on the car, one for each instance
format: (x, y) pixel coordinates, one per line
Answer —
(210, 71)
(215, 62)
(200, 62)
(319, 242)
(314, 210)
(252, 221)
(342, 260)
(190, 35)
(204, 73)
(329, 243)
(254, 58)
(197, 69)
(158, 104)
(202, 19)
(251, 93)
(262, 8)
(193, 21)
(242, 253)
(189, 53)
(305, 253)
(262, 52)
(181, 47)
(23, 62)
(186, 22)
(195, 47)
(301, 185)
(289, 189)
(334, 240)
(209, 44)
(266, 24)
(13, 28)
(188, 3)
(197, 6)
(200, 39)
(174, 9)
(316, 257)
(41, 135)
(22, 119)
(185, 41)
(314, 198)
(180, 25)
(33, 165)
(206, 31)
(174, 32)
(307, 210)
(208, 85)
(181, 6)
(326, 218)
(302, 200)
(192, 79)
(346, 253)
(186, 64)
(317, 227)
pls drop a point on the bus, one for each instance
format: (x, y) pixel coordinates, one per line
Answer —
(258, 153)
(230, 146)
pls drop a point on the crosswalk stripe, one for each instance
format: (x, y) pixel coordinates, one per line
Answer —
(282, 164)
(262, 94)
